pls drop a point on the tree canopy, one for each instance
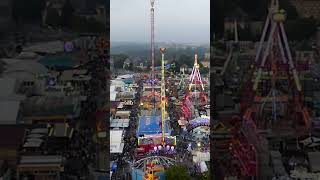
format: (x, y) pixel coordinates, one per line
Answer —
(27, 11)
(119, 60)
(205, 176)
(67, 13)
(177, 172)
(252, 9)
(301, 29)
(53, 18)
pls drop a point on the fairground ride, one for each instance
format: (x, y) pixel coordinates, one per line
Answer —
(272, 99)
(196, 89)
(195, 96)
(157, 146)
(276, 95)
(153, 166)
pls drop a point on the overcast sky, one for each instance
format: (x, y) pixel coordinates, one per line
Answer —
(179, 21)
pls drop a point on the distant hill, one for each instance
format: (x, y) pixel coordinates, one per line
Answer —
(142, 51)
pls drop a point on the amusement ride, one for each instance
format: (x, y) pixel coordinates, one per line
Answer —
(156, 147)
(272, 100)
(156, 151)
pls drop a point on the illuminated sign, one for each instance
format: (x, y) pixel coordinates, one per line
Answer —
(68, 46)
(91, 43)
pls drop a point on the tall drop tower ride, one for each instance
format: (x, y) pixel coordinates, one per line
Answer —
(152, 50)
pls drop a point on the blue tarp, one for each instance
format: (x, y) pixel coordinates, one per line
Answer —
(149, 125)
(62, 62)
(128, 80)
(114, 167)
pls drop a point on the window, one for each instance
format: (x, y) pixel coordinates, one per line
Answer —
(28, 83)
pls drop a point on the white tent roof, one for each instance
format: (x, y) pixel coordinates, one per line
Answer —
(9, 61)
(113, 93)
(119, 123)
(27, 55)
(123, 113)
(28, 66)
(46, 47)
(9, 86)
(116, 143)
(125, 76)
(39, 131)
(314, 161)
(203, 167)
(310, 141)
(117, 83)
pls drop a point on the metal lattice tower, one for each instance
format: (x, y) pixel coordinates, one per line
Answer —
(152, 36)
(152, 47)
(163, 96)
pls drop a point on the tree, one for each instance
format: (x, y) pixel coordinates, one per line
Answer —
(205, 176)
(185, 59)
(301, 29)
(130, 68)
(246, 34)
(27, 11)
(67, 13)
(203, 70)
(177, 66)
(53, 18)
(119, 60)
(177, 172)
(91, 25)
(78, 24)
(218, 20)
(95, 26)
(289, 8)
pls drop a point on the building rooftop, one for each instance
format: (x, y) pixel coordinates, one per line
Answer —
(119, 123)
(8, 87)
(46, 47)
(71, 75)
(116, 141)
(51, 105)
(61, 130)
(314, 161)
(41, 160)
(32, 67)
(9, 110)
(39, 131)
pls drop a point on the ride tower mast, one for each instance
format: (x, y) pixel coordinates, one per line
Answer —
(163, 96)
(152, 51)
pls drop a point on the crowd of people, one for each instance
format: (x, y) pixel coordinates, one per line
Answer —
(81, 154)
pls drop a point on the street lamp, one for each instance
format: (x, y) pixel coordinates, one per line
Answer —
(199, 144)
